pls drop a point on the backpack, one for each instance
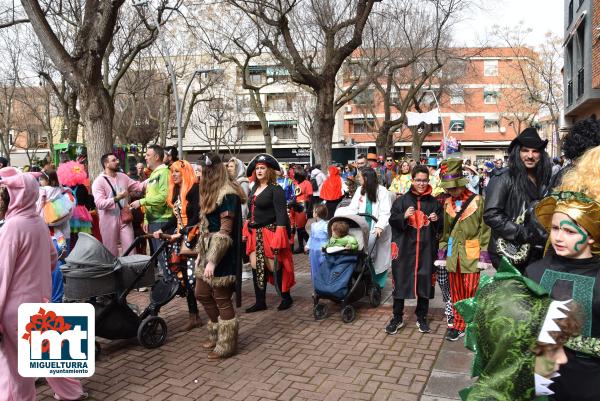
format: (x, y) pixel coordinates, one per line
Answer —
(314, 184)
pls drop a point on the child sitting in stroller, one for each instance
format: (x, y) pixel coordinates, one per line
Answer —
(340, 239)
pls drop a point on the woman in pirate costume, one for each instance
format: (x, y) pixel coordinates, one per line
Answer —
(571, 269)
(219, 264)
(267, 232)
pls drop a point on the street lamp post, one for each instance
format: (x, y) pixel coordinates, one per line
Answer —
(171, 71)
(444, 152)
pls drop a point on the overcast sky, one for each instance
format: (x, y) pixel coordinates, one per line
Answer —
(539, 15)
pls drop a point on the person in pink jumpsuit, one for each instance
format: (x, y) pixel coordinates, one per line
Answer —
(27, 257)
(107, 202)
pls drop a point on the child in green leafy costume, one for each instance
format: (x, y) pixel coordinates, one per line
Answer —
(517, 333)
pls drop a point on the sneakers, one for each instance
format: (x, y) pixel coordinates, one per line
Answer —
(453, 334)
(423, 325)
(394, 325)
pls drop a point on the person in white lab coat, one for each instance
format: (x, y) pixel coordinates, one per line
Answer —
(374, 199)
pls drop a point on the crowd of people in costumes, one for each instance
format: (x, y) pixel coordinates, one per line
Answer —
(432, 222)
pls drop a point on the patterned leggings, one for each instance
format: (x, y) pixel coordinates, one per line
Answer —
(444, 283)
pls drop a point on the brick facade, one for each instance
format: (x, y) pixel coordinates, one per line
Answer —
(595, 17)
(509, 110)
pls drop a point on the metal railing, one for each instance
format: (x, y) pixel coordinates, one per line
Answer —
(580, 83)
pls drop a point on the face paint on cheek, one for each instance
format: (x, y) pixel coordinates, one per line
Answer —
(544, 366)
(584, 236)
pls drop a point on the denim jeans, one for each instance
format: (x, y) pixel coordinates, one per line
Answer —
(155, 244)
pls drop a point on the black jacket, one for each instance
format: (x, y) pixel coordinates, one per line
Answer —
(502, 207)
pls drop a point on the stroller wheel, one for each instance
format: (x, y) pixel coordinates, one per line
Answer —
(320, 311)
(152, 332)
(375, 296)
(348, 314)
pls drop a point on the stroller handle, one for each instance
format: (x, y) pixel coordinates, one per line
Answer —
(368, 215)
(137, 240)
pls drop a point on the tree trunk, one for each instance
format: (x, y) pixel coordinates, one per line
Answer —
(385, 140)
(97, 112)
(72, 117)
(417, 144)
(322, 133)
(259, 110)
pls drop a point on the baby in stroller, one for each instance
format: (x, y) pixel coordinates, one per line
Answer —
(345, 272)
(340, 238)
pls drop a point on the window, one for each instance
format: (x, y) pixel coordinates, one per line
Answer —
(255, 78)
(216, 103)
(490, 68)
(491, 125)
(457, 95)
(457, 125)
(283, 131)
(362, 126)
(365, 97)
(243, 103)
(280, 102)
(394, 96)
(490, 97)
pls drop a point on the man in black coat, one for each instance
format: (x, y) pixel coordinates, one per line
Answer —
(416, 219)
(513, 192)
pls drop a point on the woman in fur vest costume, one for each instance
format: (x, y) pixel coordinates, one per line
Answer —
(218, 268)
(267, 234)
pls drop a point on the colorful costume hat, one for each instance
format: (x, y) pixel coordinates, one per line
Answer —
(507, 317)
(581, 209)
(451, 174)
(263, 158)
(530, 138)
(432, 162)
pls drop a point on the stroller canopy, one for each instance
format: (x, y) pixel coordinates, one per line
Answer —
(359, 228)
(89, 251)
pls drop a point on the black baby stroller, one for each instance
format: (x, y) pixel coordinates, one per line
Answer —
(94, 275)
(346, 276)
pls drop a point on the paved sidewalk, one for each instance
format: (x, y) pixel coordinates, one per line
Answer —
(282, 356)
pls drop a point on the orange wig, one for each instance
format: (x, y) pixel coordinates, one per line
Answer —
(188, 179)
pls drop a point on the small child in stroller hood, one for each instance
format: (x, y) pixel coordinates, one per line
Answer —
(340, 239)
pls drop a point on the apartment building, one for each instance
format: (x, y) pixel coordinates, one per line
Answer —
(225, 119)
(582, 59)
(483, 106)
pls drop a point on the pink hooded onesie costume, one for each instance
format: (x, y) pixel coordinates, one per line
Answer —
(27, 257)
(109, 213)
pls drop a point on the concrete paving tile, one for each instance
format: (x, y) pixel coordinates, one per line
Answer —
(452, 361)
(446, 384)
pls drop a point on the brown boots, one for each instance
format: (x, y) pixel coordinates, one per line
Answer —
(193, 322)
(223, 336)
(211, 342)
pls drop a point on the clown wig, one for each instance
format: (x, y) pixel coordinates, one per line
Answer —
(188, 179)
